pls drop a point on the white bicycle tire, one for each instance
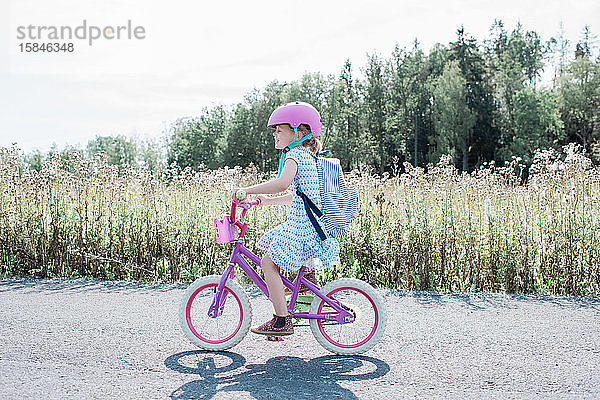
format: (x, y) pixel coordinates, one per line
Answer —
(246, 311)
(378, 303)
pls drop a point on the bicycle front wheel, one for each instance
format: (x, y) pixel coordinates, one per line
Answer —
(222, 332)
(370, 317)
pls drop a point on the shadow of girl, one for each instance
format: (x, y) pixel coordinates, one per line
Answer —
(279, 378)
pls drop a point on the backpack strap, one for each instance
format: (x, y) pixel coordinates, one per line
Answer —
(311, 210)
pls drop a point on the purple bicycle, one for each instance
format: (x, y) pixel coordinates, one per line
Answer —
(346, 316)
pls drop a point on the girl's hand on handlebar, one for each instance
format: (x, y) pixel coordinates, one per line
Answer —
(236, 192)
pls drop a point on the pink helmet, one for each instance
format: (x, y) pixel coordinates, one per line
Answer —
(295, 114)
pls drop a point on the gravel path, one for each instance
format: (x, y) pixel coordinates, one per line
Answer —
(105, 340)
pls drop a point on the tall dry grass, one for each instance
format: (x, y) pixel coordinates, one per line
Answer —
(437, 230)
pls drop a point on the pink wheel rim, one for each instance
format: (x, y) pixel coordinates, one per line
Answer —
(349, 346)
(189, 318)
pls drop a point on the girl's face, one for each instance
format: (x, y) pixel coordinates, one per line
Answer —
(284, 135)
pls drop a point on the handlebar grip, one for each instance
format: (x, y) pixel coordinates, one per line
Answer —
(240, 195)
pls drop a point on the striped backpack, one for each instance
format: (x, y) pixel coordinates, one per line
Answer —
(339, 200)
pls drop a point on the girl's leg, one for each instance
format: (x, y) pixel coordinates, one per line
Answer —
(282, 323)
(274, 285)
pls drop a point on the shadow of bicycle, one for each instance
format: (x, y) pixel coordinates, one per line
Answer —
(279, 378)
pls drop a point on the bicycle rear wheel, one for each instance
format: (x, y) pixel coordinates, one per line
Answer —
(222, 332)
(370, 317)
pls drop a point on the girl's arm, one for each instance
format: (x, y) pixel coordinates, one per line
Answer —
(290, 168)
(276, 201)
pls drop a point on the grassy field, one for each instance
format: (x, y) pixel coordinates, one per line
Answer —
(438, 229)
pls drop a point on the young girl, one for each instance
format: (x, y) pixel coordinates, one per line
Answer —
(295, 242)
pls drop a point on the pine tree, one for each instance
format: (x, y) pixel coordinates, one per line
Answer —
(453, 120)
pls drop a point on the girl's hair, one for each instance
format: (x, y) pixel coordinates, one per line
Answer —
(313, 144)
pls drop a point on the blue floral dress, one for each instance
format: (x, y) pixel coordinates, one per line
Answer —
(295, 242)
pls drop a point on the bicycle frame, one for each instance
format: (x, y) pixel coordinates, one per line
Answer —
(341, 315)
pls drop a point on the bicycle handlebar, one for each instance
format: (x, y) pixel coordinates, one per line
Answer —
(244, 205)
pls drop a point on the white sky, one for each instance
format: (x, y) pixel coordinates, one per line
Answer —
(198, 54)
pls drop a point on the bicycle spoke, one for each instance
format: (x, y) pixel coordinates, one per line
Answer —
(205, 320)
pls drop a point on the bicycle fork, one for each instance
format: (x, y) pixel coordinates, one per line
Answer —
(218, 303)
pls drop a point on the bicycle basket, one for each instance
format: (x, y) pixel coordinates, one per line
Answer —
(226, 231)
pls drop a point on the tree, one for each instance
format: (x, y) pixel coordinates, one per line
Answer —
(408, 102)
(150, 155)
(436, 61)
(587, 43)
(35, 160)
(481, 143)
(312, 88)
(537, 122)
(344, 134)
(516, 61)
(579, 93)
(560, 49)
(260, 105)
(375, 93)
(453, 120)
(199, 140)
(214, 125)
(118, 150)
(239, 145)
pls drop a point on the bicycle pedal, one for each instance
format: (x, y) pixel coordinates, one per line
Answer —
(274, 338)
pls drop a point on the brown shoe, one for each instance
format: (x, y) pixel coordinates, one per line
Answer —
(268, 328)
(310, 276)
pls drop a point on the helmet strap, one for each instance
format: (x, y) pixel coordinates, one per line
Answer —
(290, 146)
